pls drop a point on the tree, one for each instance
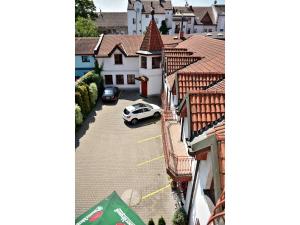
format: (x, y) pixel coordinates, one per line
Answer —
(151, 222)
(163, 28)
(85, 28)
(85, 9)
(97, 68)
(161, 221)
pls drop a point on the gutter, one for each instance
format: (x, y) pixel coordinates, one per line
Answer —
(98, 44)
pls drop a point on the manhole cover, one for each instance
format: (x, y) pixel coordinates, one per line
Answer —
(131, 197)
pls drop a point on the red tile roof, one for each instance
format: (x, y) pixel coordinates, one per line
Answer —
(206, 108)
(174, 63)
(220, 86)
(130, 43)
(195, 81)
(159, 8)
(152, 40)
(85, 45)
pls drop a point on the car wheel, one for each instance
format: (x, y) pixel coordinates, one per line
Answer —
(156, 115)
(134, 121)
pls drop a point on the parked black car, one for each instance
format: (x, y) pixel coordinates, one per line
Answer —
(110, 94)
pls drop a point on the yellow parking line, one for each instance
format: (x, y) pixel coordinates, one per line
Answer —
(155, 192)
(148, 139)
(142, 163)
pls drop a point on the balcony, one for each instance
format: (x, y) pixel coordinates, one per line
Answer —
(178, 163)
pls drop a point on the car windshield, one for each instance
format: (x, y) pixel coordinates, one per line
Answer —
(149, 106)
(138, 105)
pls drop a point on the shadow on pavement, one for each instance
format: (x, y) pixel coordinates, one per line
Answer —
(133, 95)
(143, 122)
(86, 124)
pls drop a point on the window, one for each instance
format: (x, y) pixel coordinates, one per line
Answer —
(130, 79)
(133, 20)
(156, 62)
(120, 79)
(146, 110)
(85, 58)
(205, 30)
(144, 62)
(147, 16)
(137, 111)
(108, 79)
(209, 30)
(221, 30)
(118, 59)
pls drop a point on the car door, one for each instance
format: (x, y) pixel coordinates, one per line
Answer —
(138, 114)
(147, 112)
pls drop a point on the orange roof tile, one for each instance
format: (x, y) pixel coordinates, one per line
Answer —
(175, 63)
(220, 86)
(206, 109)
(195, 81)
(152, 40)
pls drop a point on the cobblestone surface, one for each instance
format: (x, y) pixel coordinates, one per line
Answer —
(107, 155)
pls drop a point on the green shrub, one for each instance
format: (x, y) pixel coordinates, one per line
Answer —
(78, 99)
(82, 88)
(161, 221)
(180, 217)
(151, 222)
(78, 115)
(93, 93)
(92, 77)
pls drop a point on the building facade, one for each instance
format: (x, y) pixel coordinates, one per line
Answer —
(85, 49)
(193, 19)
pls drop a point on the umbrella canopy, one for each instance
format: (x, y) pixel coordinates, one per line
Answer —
(110, 211)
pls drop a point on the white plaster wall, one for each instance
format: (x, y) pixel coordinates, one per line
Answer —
(157, 17)
(169, 16)
(202, 206)
(130, 66)
(185, 129)
(130, 15)
(221, 23)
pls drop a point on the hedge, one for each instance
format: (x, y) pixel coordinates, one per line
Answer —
(78, 115)
(93, 93)
(180, 217)
(83, 90)
(92, 77)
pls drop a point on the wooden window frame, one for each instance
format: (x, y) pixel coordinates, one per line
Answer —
(117, 79)
(155, 66)
(112, 80)
(116, 59)
(132, 81)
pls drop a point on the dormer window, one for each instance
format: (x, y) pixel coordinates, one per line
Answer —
(118, 59)
(156, 62)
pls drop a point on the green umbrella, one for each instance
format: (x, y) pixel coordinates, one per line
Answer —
(110, 211)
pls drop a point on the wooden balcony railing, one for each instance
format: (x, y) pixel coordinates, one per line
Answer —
(218, 215)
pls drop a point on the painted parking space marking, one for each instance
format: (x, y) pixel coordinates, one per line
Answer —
(148, 139)
(148, 161)
(155, 192)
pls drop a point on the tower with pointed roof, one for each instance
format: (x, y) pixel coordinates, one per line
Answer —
(150, 60)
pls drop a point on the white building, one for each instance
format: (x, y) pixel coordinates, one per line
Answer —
(196, 19)
(134, 61)
(139, 14)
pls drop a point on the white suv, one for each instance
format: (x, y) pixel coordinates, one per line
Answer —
(134, 113)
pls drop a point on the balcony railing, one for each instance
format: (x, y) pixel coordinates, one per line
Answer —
(177, 166)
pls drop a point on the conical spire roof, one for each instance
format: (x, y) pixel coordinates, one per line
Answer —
(152, 41)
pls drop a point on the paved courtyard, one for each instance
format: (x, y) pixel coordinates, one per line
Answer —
(111, 155)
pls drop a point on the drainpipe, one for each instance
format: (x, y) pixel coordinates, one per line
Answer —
(193, 188)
